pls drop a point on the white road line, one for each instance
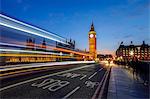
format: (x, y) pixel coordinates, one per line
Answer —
(27, 81)
(83, 77)
(3, 68)
(98, 88)
(92, 75)
(70, 93)
(103, 86)
(100, 69)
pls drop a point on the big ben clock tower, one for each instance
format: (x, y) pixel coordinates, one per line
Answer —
(92, 42)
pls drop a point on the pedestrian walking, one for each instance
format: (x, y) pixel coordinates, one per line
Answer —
(133, 65)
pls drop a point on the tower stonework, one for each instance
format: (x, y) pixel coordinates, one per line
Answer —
(92, 42)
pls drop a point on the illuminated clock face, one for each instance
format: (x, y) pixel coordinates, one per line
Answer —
(91, 35)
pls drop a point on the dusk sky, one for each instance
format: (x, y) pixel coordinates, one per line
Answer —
(114, 20)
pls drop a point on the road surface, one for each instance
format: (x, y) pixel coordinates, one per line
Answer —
(74, 81)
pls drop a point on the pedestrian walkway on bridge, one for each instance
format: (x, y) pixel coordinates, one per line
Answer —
(122, 85)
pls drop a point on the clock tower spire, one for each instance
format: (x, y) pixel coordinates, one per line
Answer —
(92, 27)
(92, 42)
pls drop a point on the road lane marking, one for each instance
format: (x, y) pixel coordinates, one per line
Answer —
(83, 77)
(92, 75)
(98, 88)
(27, 81)
(100, 69)
(70, 93)
(2, 68)
(28, 70)
(103, 86)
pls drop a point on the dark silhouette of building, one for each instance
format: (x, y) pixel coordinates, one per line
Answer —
(44, 44)
(30, 44)
(71, 44)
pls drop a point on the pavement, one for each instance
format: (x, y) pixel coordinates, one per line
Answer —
(122, 85)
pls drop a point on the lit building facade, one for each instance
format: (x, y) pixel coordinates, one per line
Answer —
(127, 52)
(92, 42)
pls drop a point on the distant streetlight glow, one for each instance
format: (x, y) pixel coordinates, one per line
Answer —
(121, 57)
(61, 53)
(131, 53)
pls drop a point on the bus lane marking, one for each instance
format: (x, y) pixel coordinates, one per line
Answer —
(73, 75)
(51, 84)
(91, 84)
(41, 77)
(70, 75)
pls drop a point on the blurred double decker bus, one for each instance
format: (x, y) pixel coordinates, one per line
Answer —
(24, 43)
